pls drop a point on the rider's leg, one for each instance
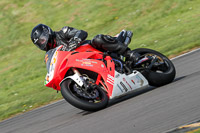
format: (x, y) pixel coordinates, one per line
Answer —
(109, 43)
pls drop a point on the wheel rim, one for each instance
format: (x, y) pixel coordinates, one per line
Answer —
(160, 66)
(91, 96)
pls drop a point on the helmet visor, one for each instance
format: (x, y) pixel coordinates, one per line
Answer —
(43, 40)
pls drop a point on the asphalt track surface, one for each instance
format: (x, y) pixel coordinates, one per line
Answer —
(154, 110)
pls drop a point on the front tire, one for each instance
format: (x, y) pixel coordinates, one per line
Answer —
(76, 100)
(166, 73)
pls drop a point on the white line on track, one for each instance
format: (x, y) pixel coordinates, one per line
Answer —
(185, 54)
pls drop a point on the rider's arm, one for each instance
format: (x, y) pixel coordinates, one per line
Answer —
(70, 33)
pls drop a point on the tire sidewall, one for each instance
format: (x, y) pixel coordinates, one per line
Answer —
(158, 79)
(79, 103)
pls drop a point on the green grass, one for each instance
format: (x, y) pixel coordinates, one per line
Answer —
(170, 27)
(194, 131)
(197, 131)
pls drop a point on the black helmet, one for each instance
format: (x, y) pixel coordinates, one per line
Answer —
(40, 36)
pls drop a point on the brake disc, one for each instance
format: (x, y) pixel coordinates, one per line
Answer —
(91, 93)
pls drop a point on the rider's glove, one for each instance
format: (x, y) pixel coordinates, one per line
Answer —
(74, 43)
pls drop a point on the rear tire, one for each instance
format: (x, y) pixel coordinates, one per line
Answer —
(158, 78)
(80, 102)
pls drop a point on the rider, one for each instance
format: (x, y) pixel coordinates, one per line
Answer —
(45, 39)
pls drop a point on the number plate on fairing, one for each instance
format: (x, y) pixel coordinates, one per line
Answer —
(126, 83)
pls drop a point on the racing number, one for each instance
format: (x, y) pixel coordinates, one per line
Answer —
(46, 58)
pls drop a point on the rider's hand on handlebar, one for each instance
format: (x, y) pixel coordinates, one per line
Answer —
(74, 43)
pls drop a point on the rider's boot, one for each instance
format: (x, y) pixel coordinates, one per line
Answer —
(132, 57)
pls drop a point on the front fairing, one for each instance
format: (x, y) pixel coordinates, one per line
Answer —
(48, 57)
(85, 57)
(58, 62)
(50, 60)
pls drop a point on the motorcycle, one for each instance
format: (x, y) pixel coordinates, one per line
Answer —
(89, 78)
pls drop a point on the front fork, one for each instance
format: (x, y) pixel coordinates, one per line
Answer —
(98, 80)
(76, 72)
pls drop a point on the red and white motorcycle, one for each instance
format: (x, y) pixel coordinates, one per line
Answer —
(88, 78)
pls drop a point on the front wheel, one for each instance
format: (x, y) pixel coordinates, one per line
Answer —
(90, 100)
(161, 72)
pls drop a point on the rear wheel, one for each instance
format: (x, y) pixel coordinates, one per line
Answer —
(89, 100)
(162, 70)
